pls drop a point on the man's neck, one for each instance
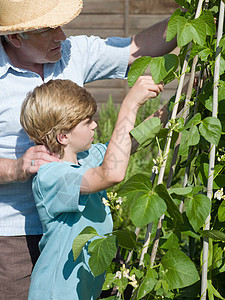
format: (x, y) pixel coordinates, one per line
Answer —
(16, 60)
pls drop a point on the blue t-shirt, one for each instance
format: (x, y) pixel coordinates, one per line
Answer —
(64, 213)
(84, 59)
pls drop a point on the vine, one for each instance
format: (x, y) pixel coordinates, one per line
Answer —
(183, 252)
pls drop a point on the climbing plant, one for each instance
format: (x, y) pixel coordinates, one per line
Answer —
(181, 254)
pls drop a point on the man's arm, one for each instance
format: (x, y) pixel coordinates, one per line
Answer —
(22, 169)
(151, 42)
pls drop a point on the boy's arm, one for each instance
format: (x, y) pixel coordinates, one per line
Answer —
(113, 168)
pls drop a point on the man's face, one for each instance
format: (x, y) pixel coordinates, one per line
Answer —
(43, 45)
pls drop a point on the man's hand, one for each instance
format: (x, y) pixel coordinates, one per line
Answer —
(22, 169)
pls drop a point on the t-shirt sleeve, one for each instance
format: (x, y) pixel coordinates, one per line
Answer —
(102, 58)
(93, 157)
(56, 189)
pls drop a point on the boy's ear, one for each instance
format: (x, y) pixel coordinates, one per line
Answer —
(62, 138)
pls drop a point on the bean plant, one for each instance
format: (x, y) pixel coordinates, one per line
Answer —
(174, 246)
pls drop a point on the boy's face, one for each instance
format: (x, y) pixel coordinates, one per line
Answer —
(81, 136)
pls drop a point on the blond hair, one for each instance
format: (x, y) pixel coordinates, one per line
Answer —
(55, 107)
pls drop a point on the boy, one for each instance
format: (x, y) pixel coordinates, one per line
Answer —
(68, 194)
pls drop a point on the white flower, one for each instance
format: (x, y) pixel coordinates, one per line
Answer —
(106, 202)
(219, 194)
(117, 206)
(126, 273)
(118, 275)
(134, 284)
(119, 200)
(155, 162)
(222, 158)
(132, 278)
(155, 170)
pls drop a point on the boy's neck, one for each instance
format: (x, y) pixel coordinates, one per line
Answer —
(71, 157)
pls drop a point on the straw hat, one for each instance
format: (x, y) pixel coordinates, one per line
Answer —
(24, 15)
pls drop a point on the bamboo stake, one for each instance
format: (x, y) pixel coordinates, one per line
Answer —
(212, 153)
(187, 170)
(184, 115)
(167, 147)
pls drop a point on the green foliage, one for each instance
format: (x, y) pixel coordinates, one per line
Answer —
(181, 271)
(162, 68)
(145, 132)
(149, 206)
(140, 200)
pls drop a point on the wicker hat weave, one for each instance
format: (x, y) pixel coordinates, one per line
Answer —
(25, 15)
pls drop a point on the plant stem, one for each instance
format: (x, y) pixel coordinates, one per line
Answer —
(212, 153)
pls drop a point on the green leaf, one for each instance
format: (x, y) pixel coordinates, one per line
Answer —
(138, 183)
(102, 253)
(208, 18)
(194, 121)
(83, 237)
(222, 63)
(126, 239)
(218, 181)
(108, 281)
(171, 242)
(205, 53)
(198, 29)
(186, 228)
(145, 205)
(172, 209)
(221, 212)
(198, 208)
(217, 265)
(181, 271)
(180, 191)
(147, 284)
(161, 66)
(145, 132)
(184, 34)
(194, 136)
(212, 291)
(172, 25)
(146, 209)
(183, 149)
(137, 69)
(203, 173)
(213, 234)
(210, 129)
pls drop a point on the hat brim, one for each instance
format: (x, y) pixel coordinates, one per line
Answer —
(63, 13)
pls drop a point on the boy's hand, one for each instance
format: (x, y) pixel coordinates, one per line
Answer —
(144, 89)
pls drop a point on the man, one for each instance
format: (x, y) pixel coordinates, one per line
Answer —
(33, 50)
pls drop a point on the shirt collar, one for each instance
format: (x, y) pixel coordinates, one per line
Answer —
(5, 62)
